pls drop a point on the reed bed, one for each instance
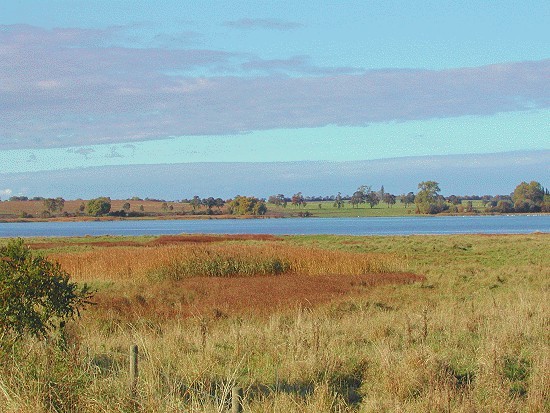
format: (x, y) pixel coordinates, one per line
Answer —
(174, 262)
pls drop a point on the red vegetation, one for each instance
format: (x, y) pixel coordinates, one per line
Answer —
(244, 295)
(162, 240)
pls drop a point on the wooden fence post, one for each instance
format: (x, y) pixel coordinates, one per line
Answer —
(237, 399)
(133, 371)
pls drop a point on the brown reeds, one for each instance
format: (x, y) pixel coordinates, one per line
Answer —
(180, 261)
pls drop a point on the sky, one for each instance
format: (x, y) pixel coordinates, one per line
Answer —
(118, 98)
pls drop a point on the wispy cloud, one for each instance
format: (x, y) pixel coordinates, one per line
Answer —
(295, 64)
(60, 89)
(82, 151)
(269, 24)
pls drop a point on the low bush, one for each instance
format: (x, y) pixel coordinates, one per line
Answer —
(36, 295)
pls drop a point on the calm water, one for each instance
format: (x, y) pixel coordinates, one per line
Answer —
(343, 226)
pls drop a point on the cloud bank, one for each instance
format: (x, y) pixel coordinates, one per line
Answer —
(494, 174)
(61, 87)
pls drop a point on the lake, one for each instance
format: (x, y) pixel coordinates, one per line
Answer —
(513, 224)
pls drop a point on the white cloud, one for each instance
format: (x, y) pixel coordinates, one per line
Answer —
(64, 91)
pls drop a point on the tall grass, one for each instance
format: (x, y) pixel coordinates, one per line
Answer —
(473, 337)
(220, 260)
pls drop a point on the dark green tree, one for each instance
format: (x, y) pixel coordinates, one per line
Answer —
(99, 206)
(36, 295)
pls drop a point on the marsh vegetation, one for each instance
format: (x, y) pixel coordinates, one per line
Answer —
(303, 323)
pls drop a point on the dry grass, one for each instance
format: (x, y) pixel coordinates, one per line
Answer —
(179, 261)
(472, 337)
(14, 208)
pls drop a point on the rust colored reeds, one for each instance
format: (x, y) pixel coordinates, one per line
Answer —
(182, 260)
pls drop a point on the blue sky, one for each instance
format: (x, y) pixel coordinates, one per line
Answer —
(97, 84)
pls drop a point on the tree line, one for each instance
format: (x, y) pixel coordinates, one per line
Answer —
(526, 197)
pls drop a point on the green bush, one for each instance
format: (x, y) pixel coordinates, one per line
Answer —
(99, 206)
(36, 295)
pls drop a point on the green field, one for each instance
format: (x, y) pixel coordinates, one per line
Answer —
(326, 209)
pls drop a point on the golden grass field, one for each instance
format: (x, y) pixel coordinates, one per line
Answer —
(11, 209)
(302, 323)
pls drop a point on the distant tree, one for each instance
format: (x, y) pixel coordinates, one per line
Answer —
(219, 203)
(338, 201)
(196, 202)
(504, 206)
(141, 208)
(357, 198)
(243, 205)
(427, 199)
(408, 199)
(164, 206)
(528, 197)
(99, 206)
(209, 203)
(372, 199)
(82, 207)
(453, 199)
(54, 204)
(389, 199)
(277, 200)
(126, 206)
(297, 199)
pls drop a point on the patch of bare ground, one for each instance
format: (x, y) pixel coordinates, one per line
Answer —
(260, 295)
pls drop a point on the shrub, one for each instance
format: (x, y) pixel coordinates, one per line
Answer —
(99, 206)
(244, 205)
(36, 295)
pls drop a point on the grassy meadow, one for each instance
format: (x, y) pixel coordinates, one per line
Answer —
(21, 210)
(303, 323)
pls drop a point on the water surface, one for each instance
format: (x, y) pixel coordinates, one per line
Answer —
(513, 224)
